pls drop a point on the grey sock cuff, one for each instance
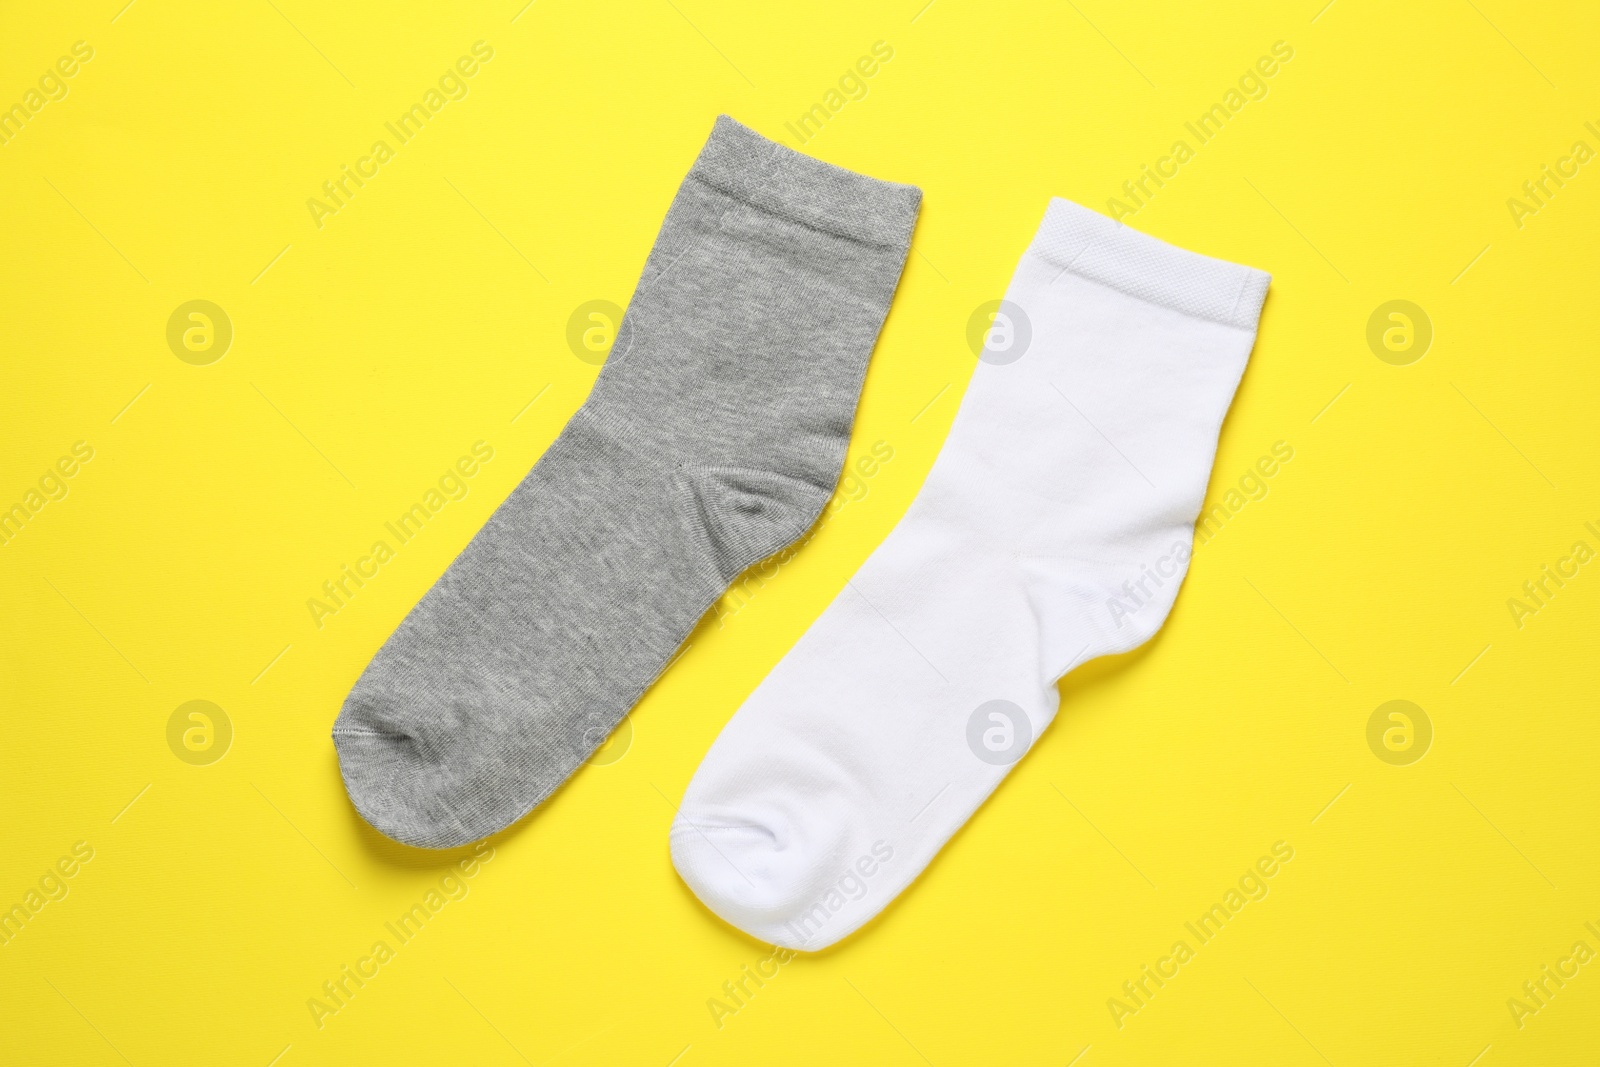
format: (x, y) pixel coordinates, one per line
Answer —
(740, 162)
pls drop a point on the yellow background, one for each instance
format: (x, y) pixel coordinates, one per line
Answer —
(424, 316)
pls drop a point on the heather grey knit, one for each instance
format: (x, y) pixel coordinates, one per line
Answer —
(712, 439)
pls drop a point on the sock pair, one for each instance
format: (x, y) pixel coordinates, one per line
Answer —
(1055, 527)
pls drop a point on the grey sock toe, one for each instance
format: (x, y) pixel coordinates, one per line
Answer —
(712, 439)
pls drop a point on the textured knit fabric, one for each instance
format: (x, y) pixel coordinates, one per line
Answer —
(713, 437)
(1054, 527)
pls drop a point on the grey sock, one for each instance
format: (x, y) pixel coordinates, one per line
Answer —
(712, 439)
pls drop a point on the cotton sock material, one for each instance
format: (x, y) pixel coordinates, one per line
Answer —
(714, 435)
(1054, 527)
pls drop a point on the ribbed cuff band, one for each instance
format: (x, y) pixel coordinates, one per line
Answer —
(1092, 246)
(742, 163)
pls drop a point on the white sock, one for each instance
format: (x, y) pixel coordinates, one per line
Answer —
(1054, 527)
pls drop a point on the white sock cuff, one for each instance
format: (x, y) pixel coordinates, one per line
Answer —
(1092, 246)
